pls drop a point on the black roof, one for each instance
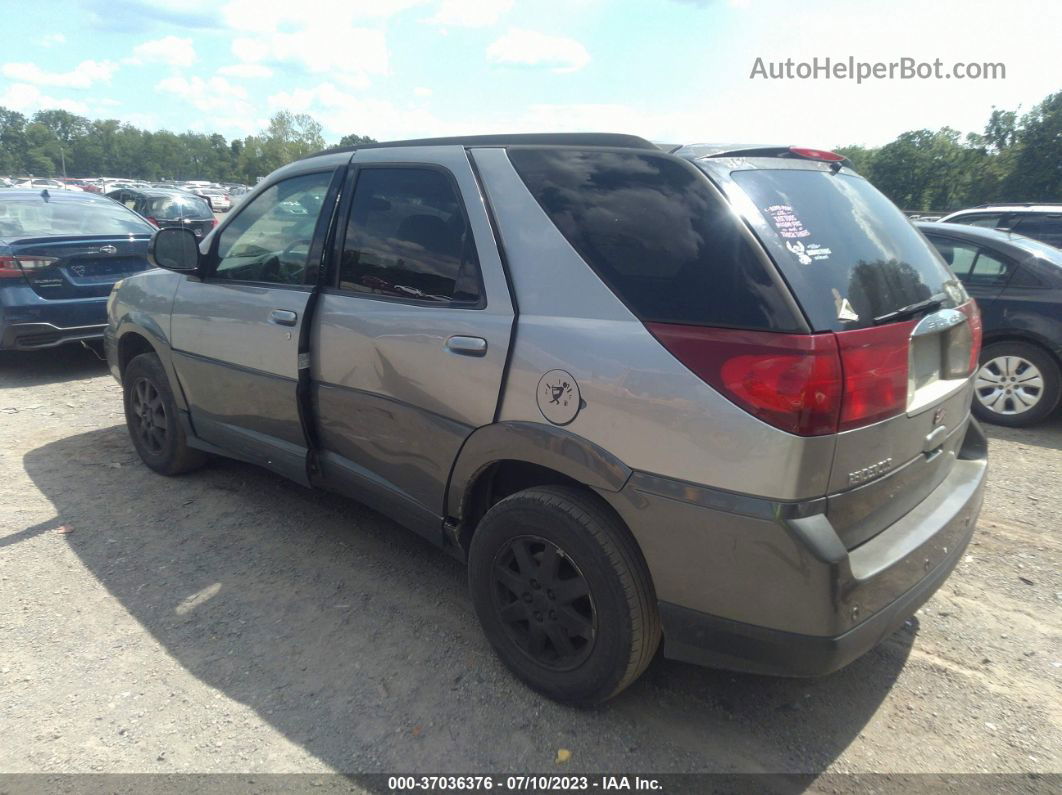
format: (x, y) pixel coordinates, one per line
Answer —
(511, 139)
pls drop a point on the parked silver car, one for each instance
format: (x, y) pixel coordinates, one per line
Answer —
(720, 394)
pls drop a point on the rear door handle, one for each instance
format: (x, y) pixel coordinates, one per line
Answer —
(467, 346)
(283, 317)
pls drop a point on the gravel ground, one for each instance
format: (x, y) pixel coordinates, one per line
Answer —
(229, 621)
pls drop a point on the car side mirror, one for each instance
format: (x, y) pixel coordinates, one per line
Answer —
(175, 249)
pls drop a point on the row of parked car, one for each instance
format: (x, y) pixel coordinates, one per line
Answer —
(220, 197)
(1007, 256)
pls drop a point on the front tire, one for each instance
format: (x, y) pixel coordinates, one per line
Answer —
(151, 417)
(563, 594)
(1017, 384)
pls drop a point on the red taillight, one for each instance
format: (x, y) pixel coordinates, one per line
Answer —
(792, 381)
(973, 318)
(9, 268)
(816, 154)
(874, 362)
(153, 221)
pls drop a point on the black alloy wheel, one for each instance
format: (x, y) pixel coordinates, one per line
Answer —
(544, 602)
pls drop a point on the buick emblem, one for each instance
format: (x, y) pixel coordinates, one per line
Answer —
(108, 249)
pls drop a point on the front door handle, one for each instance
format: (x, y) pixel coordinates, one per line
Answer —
(467, 346)
(283, 317)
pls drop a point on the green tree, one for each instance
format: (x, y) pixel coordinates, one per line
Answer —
(1037, 169)
(12, 142)
(355, 140)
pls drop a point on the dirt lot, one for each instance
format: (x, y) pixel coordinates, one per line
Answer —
(230, 621)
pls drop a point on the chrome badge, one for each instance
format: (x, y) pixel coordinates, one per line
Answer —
(108, 249)
(870, 472)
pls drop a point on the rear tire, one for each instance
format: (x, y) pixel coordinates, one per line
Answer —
(151, 417)
(1017, 384)
(563, 594)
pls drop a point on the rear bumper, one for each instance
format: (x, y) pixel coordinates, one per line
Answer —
(773, 590)
(29, 322)
(716, 642)
(33, 336)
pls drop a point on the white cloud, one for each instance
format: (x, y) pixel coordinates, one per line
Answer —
(531, 48)
(469, 13)
(341, 112)
(348, 54)
(212, 94)
(53, 39)
(171, 50)
(422, 91)
(82, 76)
(271, 16)
(26, 99)
(246, 70)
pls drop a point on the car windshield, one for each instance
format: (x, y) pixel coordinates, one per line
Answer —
(39, 218)
(848, 253)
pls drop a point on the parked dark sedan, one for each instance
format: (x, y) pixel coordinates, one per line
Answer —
(60, 254)
(1017, 282)
(163, 207)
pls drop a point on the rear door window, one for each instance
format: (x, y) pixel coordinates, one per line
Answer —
(408, 237)
(848, 253)
(657, 234)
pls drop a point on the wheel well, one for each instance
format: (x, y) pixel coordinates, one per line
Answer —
(1005, 336)
(496, 482)
(130, 346)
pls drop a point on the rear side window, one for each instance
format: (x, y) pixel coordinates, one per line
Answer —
(408, 237)
(959, 256)
(653, 230)
(848, 253)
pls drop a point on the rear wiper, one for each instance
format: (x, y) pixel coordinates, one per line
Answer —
(933, 302)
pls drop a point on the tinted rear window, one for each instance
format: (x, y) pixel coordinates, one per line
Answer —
(174, 208)
(654, 231)
(38, 218)
(848, 253)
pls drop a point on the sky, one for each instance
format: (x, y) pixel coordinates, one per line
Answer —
(670, 70)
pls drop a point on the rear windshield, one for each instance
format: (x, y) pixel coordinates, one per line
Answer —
(38, 218)
(654, 231)
(174, 208)
(848, 253)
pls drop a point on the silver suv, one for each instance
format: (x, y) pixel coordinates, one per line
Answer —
(718, 394)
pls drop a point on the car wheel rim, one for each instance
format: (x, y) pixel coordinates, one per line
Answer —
(1009, 385)
(149, 415)
(544, 602)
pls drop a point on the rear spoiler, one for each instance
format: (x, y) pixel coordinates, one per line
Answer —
(698, 151)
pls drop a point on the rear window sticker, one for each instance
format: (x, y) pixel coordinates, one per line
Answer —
(818, 252)
(785, 220)
(844, 308)
(798, 249)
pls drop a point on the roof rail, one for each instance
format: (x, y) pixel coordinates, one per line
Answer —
(510, 139)
(1015, 204)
